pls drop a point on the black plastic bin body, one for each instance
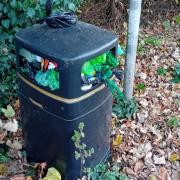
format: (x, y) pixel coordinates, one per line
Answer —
(50, 117)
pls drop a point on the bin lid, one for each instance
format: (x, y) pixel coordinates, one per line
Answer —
(79, 42)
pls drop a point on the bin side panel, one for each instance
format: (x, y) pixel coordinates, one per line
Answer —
(48, 138)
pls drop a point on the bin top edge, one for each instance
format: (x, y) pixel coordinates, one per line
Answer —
(80, 42)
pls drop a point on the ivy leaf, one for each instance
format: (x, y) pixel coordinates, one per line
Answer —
(8, 112)
(1, 6)
(177, 19)
(5, 23)
(30, 12)
(173, 122)
(166, 25)
(13, 18)
(13, 3)
(71, 6)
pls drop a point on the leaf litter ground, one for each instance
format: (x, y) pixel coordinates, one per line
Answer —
(145, 146)
(150, 147)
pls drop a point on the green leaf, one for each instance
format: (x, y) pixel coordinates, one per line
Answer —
(30, 12)
(5, 23)
(177, 19)
(42, 2)
(71, 6)
(8, 112)
(1, 7)
(173, 122)
(154, 41)
(13, 3)
(166, 25)
(81, 126)
(140, 87)
(13, 17)
(161, 71)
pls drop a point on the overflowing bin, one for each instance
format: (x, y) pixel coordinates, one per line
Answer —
(58, 89)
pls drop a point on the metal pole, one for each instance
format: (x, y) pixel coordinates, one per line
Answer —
(131, 48)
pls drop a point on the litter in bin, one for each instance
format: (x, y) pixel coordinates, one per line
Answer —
(49, 78)
(44, 71)
(97, 70)
(120, 51)
(86, 87)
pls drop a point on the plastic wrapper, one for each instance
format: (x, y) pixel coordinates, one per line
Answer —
(49, 78)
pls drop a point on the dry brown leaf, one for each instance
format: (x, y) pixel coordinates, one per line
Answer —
(17, 105)
(138, 166)
(18, 177)
(28, 178)
(162, 173)
(14, 145)
(41, 167)
(159, 159)
(129, 171)
(2, 135)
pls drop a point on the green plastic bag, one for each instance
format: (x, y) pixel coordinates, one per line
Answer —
(53, 80)
(112, 60)
(42, 78)
(106, 72)
(88, 69)
(49, 78)
(28, 55)
(98, 60)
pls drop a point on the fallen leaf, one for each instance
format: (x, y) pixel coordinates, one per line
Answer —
(52, 174)
(2, 135)
(138, 166)
(14, 145)
(176, 175)
(11, 126)
(41, 167)
(3, 169)
(18, 177)
(142, 150)
(159, 160)
(1, 123)
(152, 177)
(155, 132)
(17, 104)
(29, 178)
(117, 140)
(173, 157)
(8, 112)
(148, 159)
(129, 171)
(162, 173)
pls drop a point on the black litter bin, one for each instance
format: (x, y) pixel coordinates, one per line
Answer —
(51, 112)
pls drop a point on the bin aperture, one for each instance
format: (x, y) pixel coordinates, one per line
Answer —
(50, 116)
(43, 71)
(97, 70)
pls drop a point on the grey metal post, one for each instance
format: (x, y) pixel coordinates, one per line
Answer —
(131, 48)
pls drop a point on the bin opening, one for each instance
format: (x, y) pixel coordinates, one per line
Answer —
(45, 72)
(95, 71)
